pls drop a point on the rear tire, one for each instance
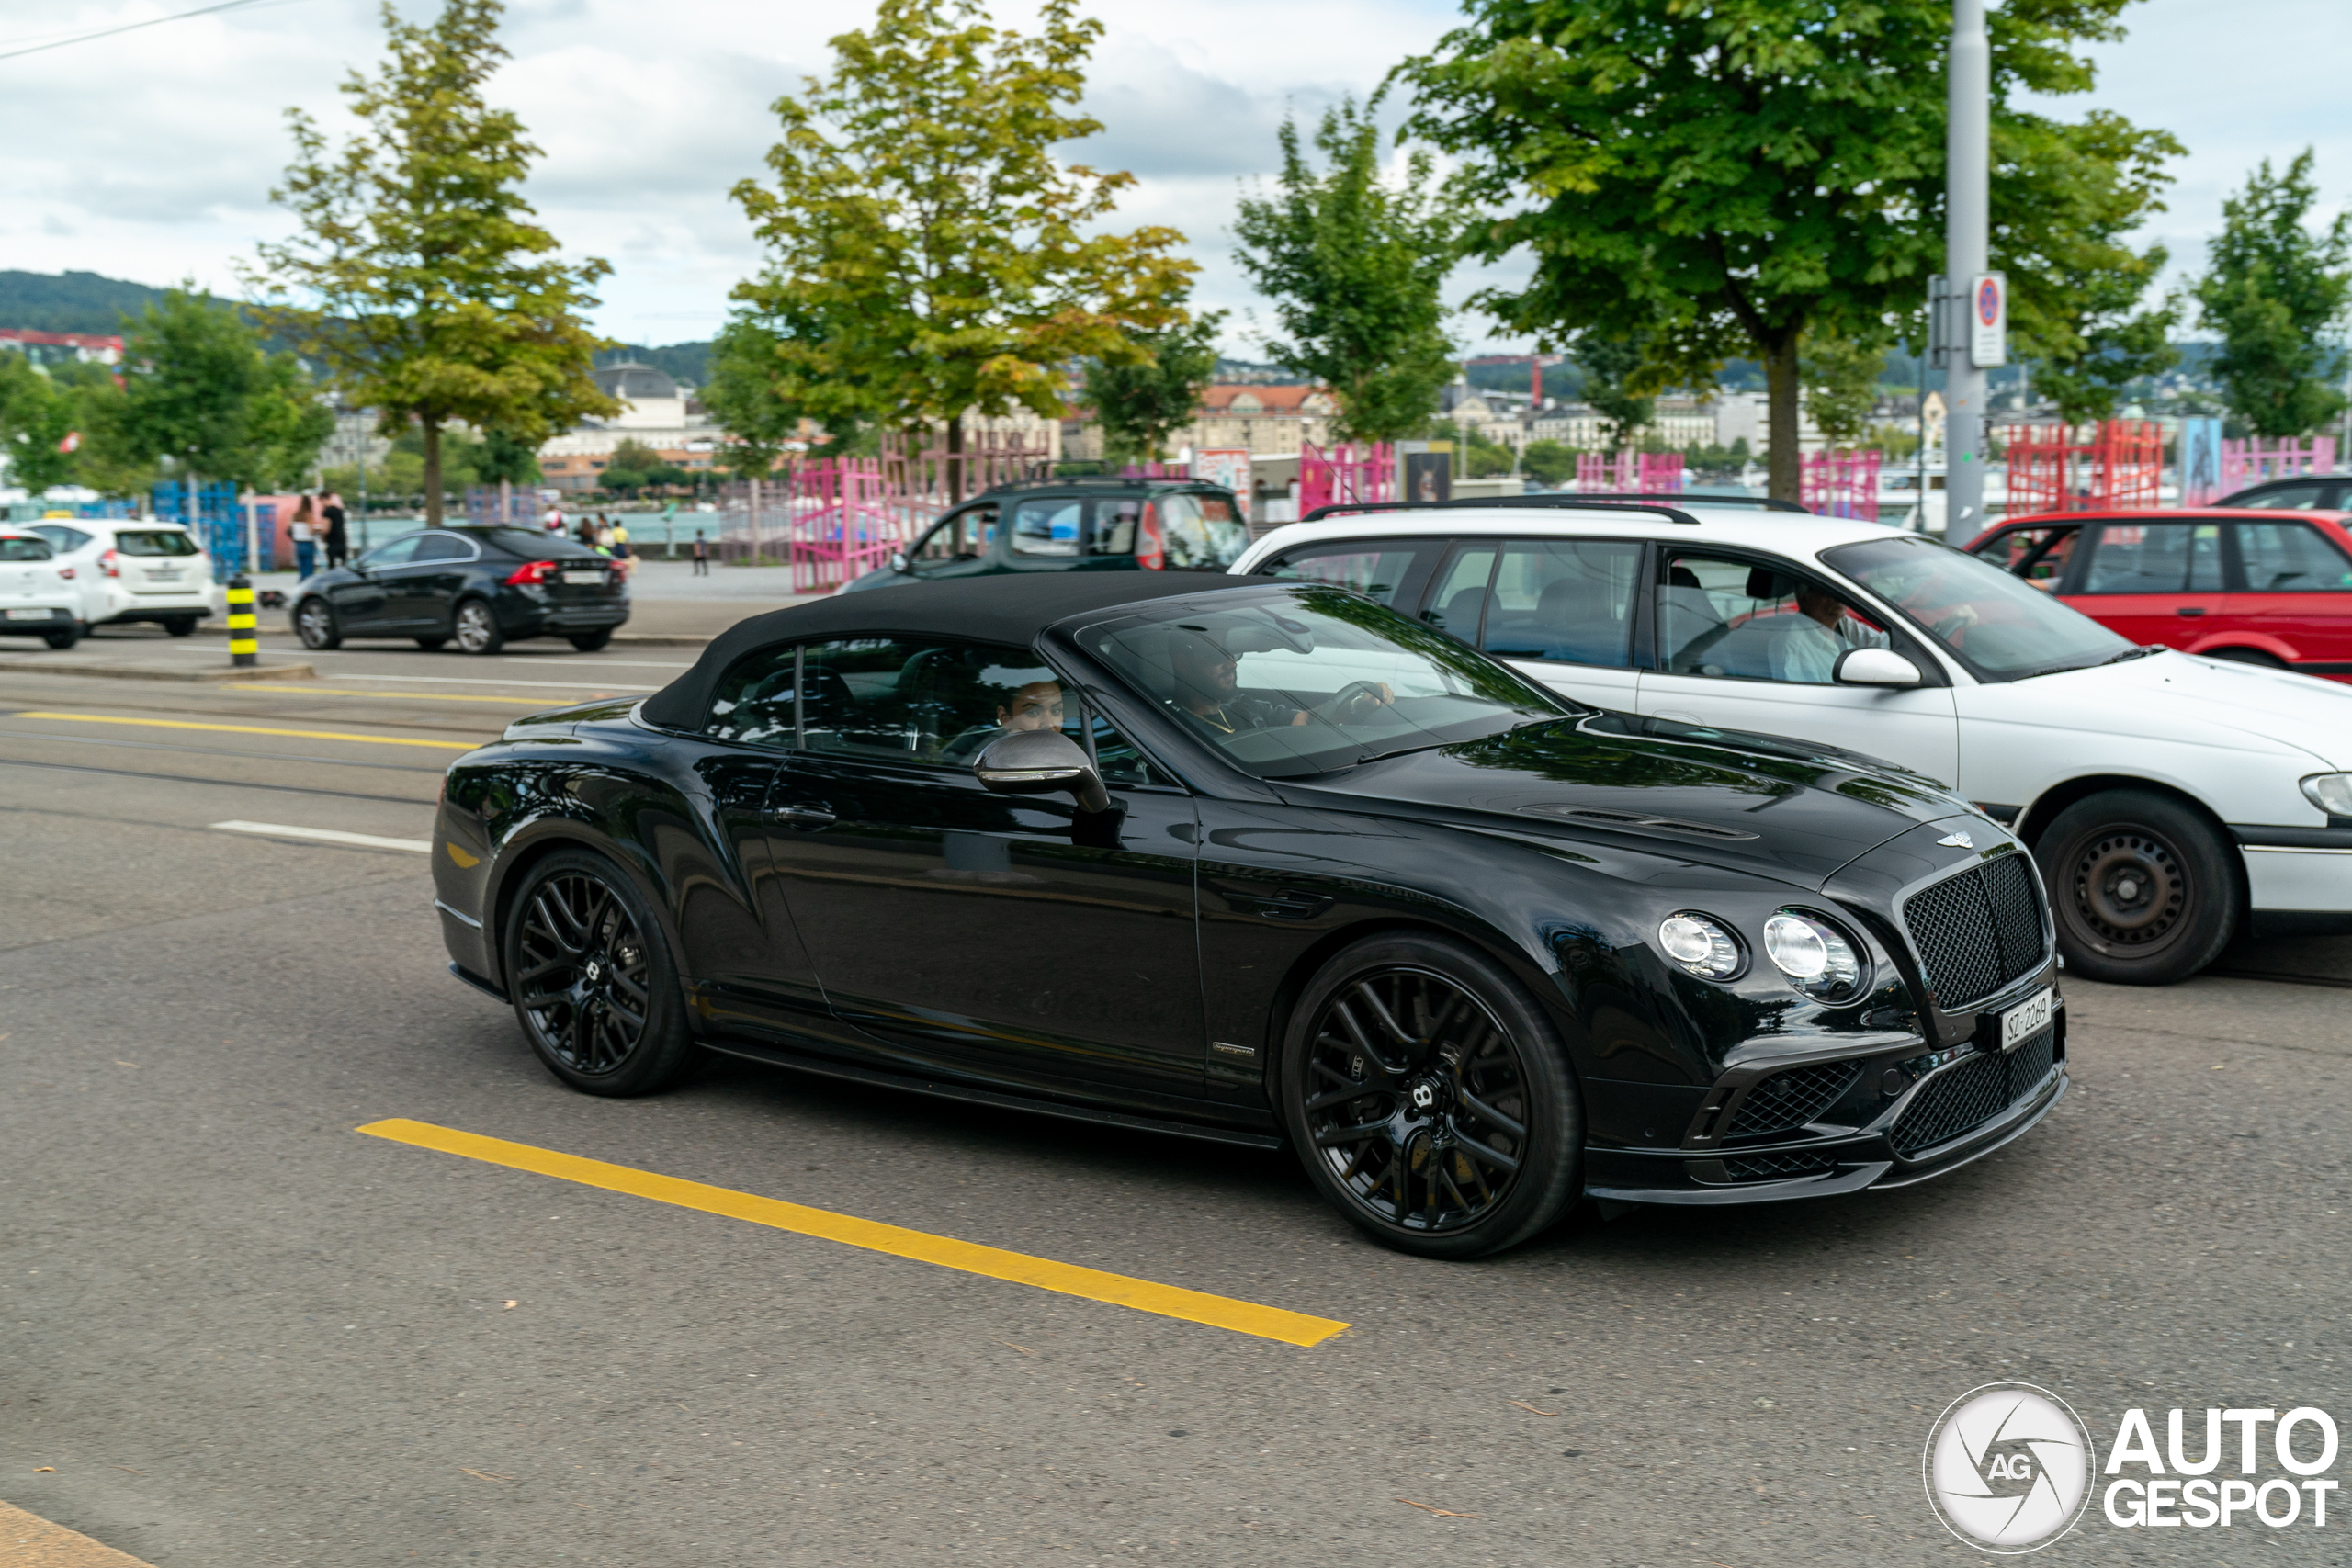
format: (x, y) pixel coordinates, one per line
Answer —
(592, 982)
(1430, 1099)
(315, 624)
(2143, 889)
(180, 625)
(589, 642)
(477, 629)
(64, 640)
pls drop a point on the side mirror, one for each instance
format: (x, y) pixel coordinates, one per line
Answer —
(899, 561)
(1040, 762)
(1874, 667)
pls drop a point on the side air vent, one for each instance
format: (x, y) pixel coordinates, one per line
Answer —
(1632, 821)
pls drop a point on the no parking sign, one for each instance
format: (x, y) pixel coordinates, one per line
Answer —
(1988, 319)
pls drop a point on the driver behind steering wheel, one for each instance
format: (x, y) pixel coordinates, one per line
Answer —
(1208, 688)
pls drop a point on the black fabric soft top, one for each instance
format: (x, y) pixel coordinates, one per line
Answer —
(1002, 607)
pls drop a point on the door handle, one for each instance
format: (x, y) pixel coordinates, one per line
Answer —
(802, 814)
(2189, 610)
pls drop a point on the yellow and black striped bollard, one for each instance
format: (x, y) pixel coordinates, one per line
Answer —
(244, 650)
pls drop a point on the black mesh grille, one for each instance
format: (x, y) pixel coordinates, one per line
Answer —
(1973, 1093)
(1977, 931)
(1790, 1100)
(1775, 1167)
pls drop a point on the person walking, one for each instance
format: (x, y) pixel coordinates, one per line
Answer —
(702, 555)
(553, 522)
(338, 528)
(304, 530)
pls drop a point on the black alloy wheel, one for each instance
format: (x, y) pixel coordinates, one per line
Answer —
(589, 642)
(315, 624)
(2144, 889)
(478, 630)
(1430, 1099)
(592, 979)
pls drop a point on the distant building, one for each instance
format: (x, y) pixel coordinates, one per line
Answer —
(1268, 420)
(50, 348)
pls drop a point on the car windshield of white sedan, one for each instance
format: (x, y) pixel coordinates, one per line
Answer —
(1290, 684)
(2001, 627)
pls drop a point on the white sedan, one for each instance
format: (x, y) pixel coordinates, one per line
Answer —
(36, 595)
(2169, 800)
(135, 570)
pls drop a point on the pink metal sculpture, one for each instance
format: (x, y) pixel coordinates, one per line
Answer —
(2250, 462)
(2120, 464)
(1346, 475)
(1637, 473)
(1841, 482)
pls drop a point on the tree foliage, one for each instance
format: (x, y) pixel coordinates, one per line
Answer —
(2276, 292)
(746, 396)
(1620, 382)
(929, 253)
(37, 417)
(1141, 404)
(417, 274)
(198, 390)
(1840, 377)
(1724, 177)
(1353, 265)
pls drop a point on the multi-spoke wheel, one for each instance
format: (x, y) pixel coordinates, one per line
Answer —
(592, 981)
(2142, 887)
(315, 623)
(1430, 1099)
(477, 629)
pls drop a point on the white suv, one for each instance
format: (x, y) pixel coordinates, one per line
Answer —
(2168, 799)
(135, 570)
(38, 597)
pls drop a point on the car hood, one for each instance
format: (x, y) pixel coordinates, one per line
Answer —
(2181, 697)
(1765, 804)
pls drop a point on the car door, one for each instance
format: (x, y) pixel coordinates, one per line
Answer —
(958, 545)
(1740, 645)
(2152, 582)
(1004, 938)
(2295, 592)
(363, 603)
(422, 594)
(1562, 610)
(1045, 533)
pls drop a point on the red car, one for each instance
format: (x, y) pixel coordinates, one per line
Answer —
(2261, 587)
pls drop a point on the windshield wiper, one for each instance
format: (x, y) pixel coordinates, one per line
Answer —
(2141, 652)
(1400, 751)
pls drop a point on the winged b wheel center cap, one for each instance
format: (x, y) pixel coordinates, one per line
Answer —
(593, 970)
(1424, 1096)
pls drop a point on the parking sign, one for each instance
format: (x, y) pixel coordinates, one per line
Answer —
(1988, 319)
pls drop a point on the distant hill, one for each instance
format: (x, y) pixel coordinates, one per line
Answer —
(71, 302)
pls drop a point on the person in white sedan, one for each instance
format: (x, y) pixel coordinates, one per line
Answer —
(1823, 629)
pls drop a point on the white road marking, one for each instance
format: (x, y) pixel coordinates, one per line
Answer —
(597, 664)
(327, 835)
(476, 681)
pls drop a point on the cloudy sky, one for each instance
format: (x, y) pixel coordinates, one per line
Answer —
(150, 155)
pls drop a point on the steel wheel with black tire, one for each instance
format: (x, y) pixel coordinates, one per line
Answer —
(315, 624)
(589, 642)
(478, 630)
(592, 979)
(1430, 1099)
(2144, 890)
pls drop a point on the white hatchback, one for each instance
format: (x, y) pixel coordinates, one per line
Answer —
(38, 596)
(135, 570)
(2168, 799)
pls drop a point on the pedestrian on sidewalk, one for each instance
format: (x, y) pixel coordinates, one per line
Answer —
(304, 530)
(702, 555)
(338, 528)
(553, 521)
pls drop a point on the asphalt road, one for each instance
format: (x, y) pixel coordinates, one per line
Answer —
(235, 1332)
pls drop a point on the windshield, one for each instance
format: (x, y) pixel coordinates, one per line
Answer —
(1286, 684)
(23, 546)
(155, 542)
(2001, 627)
(533, 543)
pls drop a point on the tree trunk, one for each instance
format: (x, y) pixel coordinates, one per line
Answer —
(1784, 412)
(955, 458)
(433, 498)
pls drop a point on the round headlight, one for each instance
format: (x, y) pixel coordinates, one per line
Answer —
(1700, 945)
(1813, 954)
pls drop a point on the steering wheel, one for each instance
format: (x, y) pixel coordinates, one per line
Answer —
(1353, 693)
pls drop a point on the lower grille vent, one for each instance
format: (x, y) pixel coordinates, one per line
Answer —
(1775, 1167)
(1788, 1100)
(1973, 1094)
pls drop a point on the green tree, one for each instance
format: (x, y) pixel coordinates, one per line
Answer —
(746, 394)
(417, 274)
(505, 455)
(200, 391)
(1484, 457)
(1726, 176)
(1621, 383)
(2275, 290)
(1549, 462)
(932, 254)
(1840, 379)
(1141, 404)
(1355, 265)
(36, 424)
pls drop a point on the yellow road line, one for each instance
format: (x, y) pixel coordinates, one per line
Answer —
(254, 729)
(1067, 1279)
(403, 696)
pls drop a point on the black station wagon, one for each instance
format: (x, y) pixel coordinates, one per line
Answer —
(1080, 524)
(1263, 862)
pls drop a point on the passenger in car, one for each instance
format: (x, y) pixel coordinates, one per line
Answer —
(1823, 629)
(1037, 705)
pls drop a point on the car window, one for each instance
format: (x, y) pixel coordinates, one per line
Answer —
(2038, 554)
(1048, 526)
(1722, 616)
(398, 552)
(2291, 558)
(2285, 497)
(1116, 520)
(1459, 606)
(442, 546)
(1200, 533)
(965, 536)
(2156, 558)
(1565, 599)
(1292, 681)
(534, 544)
(756, 703)
(2001, 629)
(155, 542)
(23, 546)
(63, 540)
(1378, 567)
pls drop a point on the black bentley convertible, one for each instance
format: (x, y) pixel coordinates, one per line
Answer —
(1263, 862)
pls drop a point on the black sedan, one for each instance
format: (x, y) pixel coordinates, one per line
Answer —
(1263, 862)
(484, 587)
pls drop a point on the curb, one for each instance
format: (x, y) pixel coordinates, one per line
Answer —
(152, 673)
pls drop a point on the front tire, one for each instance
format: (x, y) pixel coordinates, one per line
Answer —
(315, 624)
(592, 979)
(1430, 1099)
(2144, 890)
(64, 640)
(478, 628)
